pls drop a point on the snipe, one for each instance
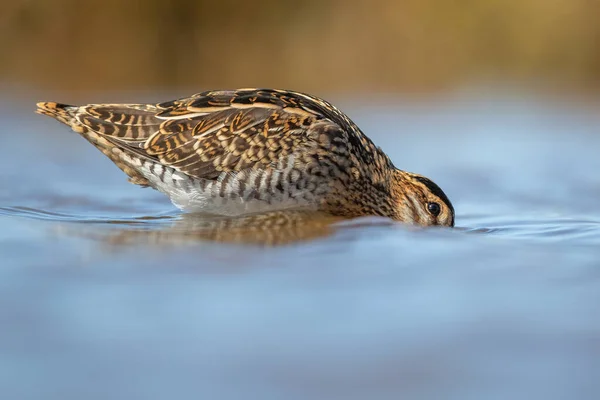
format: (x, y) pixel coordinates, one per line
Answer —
(255, 150)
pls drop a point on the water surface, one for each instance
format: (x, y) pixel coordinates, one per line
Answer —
(108, 291)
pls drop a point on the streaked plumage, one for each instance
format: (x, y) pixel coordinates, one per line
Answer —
(255, 150)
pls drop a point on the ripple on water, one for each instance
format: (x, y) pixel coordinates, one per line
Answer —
(283, 228)
(108, 290)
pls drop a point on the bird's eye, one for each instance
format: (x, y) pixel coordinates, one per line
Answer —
(434, 209)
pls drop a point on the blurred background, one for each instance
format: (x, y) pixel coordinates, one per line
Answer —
(108, 291)
(322, 47)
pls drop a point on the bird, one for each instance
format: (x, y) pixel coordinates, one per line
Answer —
(247, 151)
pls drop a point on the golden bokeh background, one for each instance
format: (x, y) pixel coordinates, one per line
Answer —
(314, 46)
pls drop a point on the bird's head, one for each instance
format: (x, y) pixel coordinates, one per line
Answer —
(417, 200)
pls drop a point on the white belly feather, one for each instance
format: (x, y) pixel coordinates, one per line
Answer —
(209, 196)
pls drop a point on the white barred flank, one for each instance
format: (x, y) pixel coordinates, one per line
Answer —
(223, 195)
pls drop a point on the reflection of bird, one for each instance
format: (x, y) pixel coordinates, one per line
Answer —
(255, 150)
(267, 229)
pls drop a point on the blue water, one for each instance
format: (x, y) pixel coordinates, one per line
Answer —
(107, 291)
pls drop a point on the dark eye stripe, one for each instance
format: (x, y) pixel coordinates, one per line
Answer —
(435, 189)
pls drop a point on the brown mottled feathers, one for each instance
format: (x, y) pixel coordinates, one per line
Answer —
(255, 150)
(221, 131)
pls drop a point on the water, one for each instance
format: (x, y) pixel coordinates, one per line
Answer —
(107, 291)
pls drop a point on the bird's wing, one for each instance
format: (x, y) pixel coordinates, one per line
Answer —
(211, 132)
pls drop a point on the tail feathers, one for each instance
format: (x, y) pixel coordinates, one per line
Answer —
(122, 156)
(61, 112)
